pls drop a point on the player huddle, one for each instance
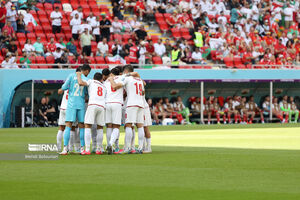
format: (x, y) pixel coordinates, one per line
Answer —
(106, 107)
(243, 111)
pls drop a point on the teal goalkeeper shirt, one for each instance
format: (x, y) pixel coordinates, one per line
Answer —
(77, 93)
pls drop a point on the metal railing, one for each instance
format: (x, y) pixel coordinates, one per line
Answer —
(158, 66)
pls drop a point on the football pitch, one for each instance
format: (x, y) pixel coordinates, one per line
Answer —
(231, 162)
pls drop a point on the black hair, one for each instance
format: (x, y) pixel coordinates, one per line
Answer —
(129, 68)
(78, 69)
(120, 68)
(105, 72)
(98, 76)
(115, 71)
(85, 67)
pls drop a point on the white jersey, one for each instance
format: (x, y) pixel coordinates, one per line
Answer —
(146, 105)
(97, 93)
(114, 96)
(64, 101)
(134, 88)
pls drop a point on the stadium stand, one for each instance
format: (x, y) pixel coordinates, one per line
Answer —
(240, 34)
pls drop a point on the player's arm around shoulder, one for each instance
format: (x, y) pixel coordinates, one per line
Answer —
(115, 85)
(79, 79)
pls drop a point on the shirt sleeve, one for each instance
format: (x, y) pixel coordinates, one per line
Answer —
(66, 85)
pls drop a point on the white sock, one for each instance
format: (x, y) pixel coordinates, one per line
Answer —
(114, 136)
(128, 136)
(133, 139)
(77, 139)
(87, 138)
(94, 138)
(99, 139)
(141, 135)
(148, 141)
(59, 138)
(144, 144)
(72, 140)
(108, 135)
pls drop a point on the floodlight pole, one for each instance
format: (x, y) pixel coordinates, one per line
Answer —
(32, 101)
(202, 99)
(271, 100)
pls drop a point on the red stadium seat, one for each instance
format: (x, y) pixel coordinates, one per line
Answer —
(58, 5)
(21, 36)
(66, 29)
(228, 62)
(117, 37)
(127, 59)
(176, 33)
(74, 5)
(154, 38)
(68, 36)
(64, 22)
(34, 67)
(47, 29)
(159, 17)
(19, 51)
(84, 5)
(126, 37)
(40, 60)
(185, 33)
(95, 9)
(32, 59)
(164, 27)
(1, 60)
(44, 21)
(238, 62)
(94, 47)
(30, 27)
(185, 67)
(93, 4)
(102, 66)
(104, 8)
(210, 17)
(157, 60)
(33, 13)
(50, 60)
(31, 36)
(41, 13)
(22, 43)
(213, 54)
(50, 35)
(42, 36)
(38, 29)
(48, 6)
(40, 6)
(59, 35)
(65, 1)
(167, 15)
(100, 60)
(49, 14)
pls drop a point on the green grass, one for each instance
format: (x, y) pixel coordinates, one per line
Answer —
(233, 162)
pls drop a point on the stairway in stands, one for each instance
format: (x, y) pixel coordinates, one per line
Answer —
(151, 30)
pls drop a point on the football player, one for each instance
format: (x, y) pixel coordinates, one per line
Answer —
(75, 107)
(95, 112)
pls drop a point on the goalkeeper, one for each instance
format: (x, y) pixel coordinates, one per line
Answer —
(293, 110)
(284, 106)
